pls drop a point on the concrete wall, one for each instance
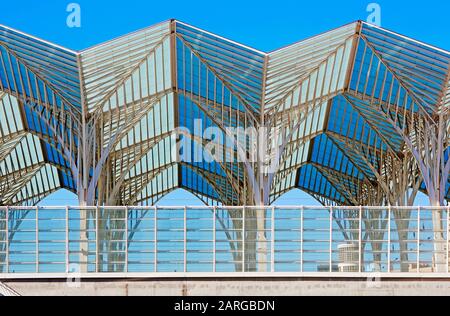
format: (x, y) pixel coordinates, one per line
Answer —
(232, 287)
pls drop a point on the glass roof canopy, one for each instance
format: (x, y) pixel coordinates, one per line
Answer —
(347, 110)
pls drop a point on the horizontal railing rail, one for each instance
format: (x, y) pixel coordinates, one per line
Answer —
(275, 239)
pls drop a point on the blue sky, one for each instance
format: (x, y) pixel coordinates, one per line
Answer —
(265, 25)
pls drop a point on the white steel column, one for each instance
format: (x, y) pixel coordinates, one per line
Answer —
(439, 242)
(83, 239)
(261, 240)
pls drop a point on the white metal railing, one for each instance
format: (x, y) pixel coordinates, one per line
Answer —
(223, 239)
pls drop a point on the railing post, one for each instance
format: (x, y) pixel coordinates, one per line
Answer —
(155, 238)
(302, 211)
(97, 239)
(243, 239)
(448, 239)
(37, 239)
(214, 238)
(7, 239)
(126, 239)
(418, 239)
(185, 240)
(389, 238)
(360, 239)
(331, 240)
(67, 240)
(272, 242)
